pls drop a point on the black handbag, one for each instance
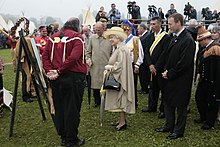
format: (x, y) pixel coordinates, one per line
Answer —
(111, 83)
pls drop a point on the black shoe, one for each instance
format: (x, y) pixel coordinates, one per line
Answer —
(79, 142)
(143, 92)
(96, 105)
(63, 142)
(124, 127)
(162, 129)
(28, 100)
(206, 127)
(150, 111)
(116, 124)
(161, 115)
(174, 136)
(144, 109)
(199, 121)
(188, 110)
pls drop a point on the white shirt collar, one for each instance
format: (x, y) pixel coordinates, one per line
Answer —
(144, 33)
(209, 43)
(158, 32)
(177, 34)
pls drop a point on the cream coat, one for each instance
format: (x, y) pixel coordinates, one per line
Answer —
(122, 71)
(98, 52)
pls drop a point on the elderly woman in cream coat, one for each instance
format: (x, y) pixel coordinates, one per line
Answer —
(120, 66)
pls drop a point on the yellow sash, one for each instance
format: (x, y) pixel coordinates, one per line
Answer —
(136, 48)
(156, 41)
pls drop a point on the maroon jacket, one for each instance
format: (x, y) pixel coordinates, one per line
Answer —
(73, 60)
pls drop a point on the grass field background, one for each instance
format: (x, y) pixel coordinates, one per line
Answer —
(30, 130)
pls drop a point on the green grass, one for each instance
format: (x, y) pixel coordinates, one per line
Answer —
(6, 55)
(30, 130)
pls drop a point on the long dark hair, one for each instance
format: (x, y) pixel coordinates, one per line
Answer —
(73, 24)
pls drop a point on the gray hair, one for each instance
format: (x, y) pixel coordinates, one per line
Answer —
(120, 38)
(193, 23)
(216, 29)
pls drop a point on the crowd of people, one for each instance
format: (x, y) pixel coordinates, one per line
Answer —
(166, 63)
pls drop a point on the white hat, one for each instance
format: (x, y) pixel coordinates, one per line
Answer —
(115, 31)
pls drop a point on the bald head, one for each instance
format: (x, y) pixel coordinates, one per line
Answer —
(86, 30)
(99, 28)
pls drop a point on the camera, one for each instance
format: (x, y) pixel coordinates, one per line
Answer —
(152, 11)
(206, 13)
(187, 9)
(152, 8)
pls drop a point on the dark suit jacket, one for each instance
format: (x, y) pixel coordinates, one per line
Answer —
(160, 47)
(144, 44)
(179, 61)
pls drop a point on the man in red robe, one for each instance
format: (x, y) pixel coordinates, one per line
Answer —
(41, 40)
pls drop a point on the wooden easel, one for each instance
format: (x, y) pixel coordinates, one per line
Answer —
(35, 77)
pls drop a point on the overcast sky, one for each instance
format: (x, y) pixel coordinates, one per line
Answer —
(69, 8)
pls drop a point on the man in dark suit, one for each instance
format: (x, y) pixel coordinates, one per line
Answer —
(143, 31)
(178, 76)
(156, 43)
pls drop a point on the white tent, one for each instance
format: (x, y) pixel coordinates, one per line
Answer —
(3, 24)
(88, 18)
(10, 24)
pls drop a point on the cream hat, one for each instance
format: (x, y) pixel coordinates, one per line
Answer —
(202, 33)
(115, 31)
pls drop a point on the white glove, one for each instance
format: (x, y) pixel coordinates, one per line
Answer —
(89, 62)
(108, 67)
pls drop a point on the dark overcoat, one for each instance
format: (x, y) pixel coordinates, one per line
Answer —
(179, 60)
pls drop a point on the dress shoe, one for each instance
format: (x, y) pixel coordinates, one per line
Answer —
(28, 100)
(144, 109)
(188, 110)
(96, 105)
(199, 121)
(143, 92)
(122, 128)
(161, 115)
(162, 129)
(117, 123)
(63, 142)
(79, 142)
(174, 136)
(148, 110)
(206, 127)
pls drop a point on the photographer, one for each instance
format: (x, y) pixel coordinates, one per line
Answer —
(215, 15)
(152, 11)
(193, 13)
(171, 11)
(190, 12)
(207, 14)
(100, 14)
(134, 10)
(114, 14)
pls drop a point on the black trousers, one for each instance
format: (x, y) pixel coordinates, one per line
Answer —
(207, 105)
(144, 77)
(153, 101)
(97, 96)
(179, 126)
(67, 92)
(135, 87)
